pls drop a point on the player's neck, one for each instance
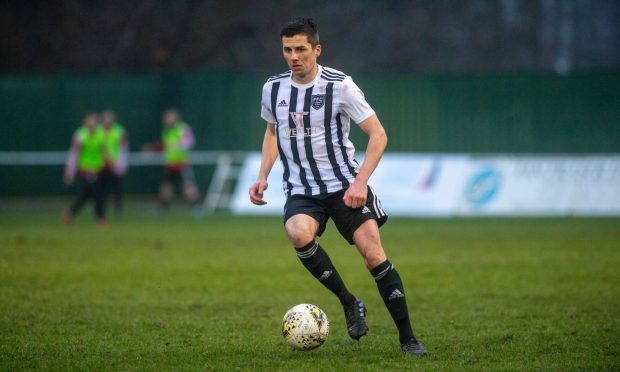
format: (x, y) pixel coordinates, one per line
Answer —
(306, 78)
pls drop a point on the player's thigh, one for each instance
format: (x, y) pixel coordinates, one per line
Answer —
(304, 219)
(348, 220)
(90, 184)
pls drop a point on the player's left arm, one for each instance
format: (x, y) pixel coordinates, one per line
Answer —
(121, 165)
(355, 196)
(188, 141)
(72, 160)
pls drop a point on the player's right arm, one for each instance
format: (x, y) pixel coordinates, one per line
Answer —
(269, 155)
(120, 167)
(71, 162)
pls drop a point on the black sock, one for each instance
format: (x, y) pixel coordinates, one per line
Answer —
(316, 260)
(391, 289)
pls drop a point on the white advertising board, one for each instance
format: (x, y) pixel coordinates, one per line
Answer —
(440, 185)
(274, 195)
(542, 185)
(407, 184)
(420, 185)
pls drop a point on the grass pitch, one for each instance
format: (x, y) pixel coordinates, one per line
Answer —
(183, 294)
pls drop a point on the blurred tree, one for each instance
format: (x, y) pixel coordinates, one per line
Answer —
(423, 36)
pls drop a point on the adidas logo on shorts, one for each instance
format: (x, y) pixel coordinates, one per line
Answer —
(366, 210)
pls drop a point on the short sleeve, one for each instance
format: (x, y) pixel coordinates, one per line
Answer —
(353, 102)
(266, 113)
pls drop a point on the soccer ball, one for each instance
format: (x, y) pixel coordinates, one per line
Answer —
(305, 327)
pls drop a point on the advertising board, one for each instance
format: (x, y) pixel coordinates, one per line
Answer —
(442, 185)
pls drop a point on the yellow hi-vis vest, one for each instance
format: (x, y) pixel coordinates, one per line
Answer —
(113, 141)
(92, 147)
(174, 153)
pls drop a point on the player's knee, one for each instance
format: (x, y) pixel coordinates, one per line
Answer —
(299, 233)
(299, 238)
(374, 257)
(191, 192)
(165, 191)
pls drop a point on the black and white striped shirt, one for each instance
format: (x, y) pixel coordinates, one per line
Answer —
(312, 123)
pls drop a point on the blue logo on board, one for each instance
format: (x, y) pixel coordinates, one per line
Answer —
(483, 186)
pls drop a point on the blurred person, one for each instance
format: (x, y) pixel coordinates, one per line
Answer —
(177, 139)
(308, 111)
(116, 155)
(86, 158)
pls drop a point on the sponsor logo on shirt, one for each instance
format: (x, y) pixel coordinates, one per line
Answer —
(299, 129)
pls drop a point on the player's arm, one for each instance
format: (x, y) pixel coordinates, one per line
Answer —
(188, 140)
(121, 165)
(71, 162)
(269, 155)
(355, 196)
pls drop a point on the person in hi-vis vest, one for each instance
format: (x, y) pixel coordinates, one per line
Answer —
(177, 140)
(116, 155)
(86, 159)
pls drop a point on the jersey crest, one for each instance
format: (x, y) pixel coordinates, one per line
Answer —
(318, 100)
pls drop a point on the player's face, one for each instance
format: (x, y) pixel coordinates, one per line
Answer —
(301, 57)
(90, 122)
(169, 118)
(108, 119)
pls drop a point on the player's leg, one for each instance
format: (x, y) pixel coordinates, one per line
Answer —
(389, 283)
(105, 184)
(68, 214)
(301, 229)
(360, 226)
(304, 221)
(99, 194)
(166, 193)
(190, 191)
(117, 191)
(85, 193)
(368, 242)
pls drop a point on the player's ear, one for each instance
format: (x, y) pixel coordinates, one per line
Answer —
(317, 49)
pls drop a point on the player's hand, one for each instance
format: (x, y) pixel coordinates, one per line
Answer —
(68, 179)
(118, 170)
(355, 196)
(257, 191)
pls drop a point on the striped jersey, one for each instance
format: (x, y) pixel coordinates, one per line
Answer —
(312, 123)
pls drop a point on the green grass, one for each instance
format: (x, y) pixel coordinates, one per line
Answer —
(184, 294)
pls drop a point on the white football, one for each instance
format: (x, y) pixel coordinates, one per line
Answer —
(305, 327)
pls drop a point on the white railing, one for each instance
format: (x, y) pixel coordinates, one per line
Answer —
(227, 165)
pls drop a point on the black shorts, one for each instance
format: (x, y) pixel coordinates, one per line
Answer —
(324, 207)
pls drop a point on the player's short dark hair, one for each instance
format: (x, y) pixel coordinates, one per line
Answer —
(172, 110)
(90, 114)
(305, 26)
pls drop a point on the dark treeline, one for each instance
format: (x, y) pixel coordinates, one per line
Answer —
(426, 36)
